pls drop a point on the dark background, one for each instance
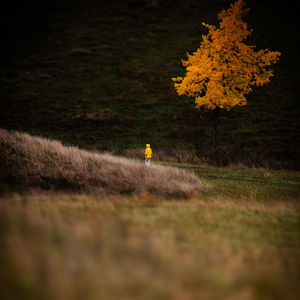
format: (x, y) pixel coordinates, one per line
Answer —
(97, 74)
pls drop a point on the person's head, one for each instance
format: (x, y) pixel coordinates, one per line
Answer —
(148, 145)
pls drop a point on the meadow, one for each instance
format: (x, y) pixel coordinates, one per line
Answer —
(84, 85)
(237, 238)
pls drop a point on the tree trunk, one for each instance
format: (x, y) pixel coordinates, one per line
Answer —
(215, 123)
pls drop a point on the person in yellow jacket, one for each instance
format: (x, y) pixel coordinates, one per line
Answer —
(148, 153)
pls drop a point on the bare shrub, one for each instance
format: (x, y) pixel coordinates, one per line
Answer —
(33, 161)
(101, 115)
(82, 51)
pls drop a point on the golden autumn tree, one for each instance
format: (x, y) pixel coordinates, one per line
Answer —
(223, 69)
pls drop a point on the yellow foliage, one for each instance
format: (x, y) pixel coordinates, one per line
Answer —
(223, 69)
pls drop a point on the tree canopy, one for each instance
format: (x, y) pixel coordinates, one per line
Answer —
(223, 69)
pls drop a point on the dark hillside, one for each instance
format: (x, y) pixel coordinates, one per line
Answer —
(98, 74)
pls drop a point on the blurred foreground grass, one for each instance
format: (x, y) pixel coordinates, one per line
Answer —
(239, 241)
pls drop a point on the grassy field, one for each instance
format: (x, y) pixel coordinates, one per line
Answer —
(78, 223)
(240, 182)
(241, 240)
(97, 74)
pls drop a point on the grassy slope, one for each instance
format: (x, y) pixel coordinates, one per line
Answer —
(238, 242)
(31, 162)
(124, 76)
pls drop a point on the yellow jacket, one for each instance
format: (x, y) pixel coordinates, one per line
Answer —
(148, 151)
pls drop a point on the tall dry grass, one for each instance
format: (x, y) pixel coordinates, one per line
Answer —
(28, 161)
(68, 247)
(167, 155)
(214, 157)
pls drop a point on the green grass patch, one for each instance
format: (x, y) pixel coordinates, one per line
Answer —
(245, 183)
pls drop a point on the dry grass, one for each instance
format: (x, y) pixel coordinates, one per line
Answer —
(29, 161)
(240, 241)
(171, 155)
(210, 156)
(58, 246)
